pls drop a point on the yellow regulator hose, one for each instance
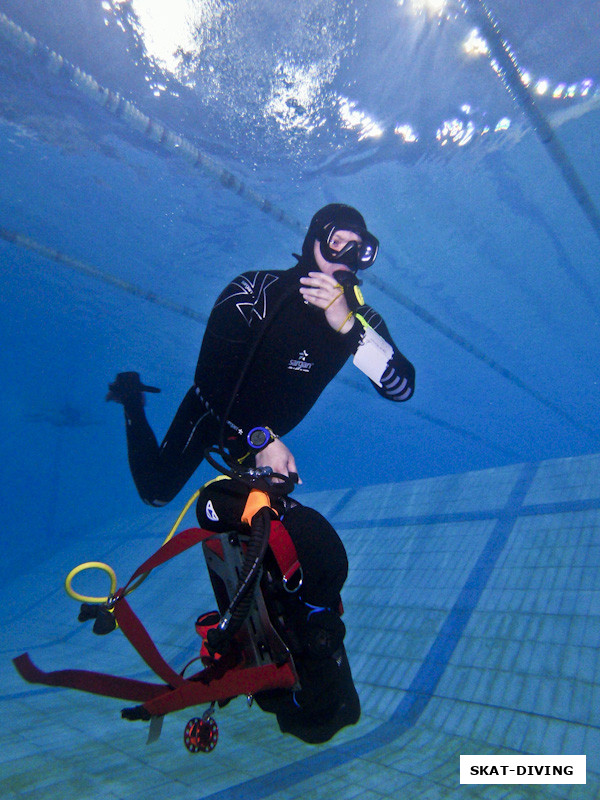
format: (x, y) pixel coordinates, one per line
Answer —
(110, 571)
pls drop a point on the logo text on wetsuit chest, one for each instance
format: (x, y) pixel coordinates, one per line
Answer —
(300, 364)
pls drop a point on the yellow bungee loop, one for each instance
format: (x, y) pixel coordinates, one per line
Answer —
(110, 571)
(82, 598)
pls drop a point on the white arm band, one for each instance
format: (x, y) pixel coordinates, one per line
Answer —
(373, 354)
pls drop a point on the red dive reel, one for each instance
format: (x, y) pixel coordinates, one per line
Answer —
(201, 734)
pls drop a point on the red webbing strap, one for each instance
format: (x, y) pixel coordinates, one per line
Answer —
(237, 681)
(283, 549)
(158, 698)
(280, 542)
(178, 544)
(129, 622)
(93, 682)
(140, 639)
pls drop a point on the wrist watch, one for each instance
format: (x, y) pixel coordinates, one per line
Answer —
(258, 438)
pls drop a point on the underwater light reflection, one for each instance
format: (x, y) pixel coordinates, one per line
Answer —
(170, 29)
(475, 44)
(354, 119)
(406, 133)
(433, 8)
(194, 41)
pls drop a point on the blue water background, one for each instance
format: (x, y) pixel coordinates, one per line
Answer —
(485, 240)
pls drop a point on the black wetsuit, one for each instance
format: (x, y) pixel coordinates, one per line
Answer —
(260, 320)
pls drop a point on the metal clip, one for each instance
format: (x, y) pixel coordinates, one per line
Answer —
(295, 588)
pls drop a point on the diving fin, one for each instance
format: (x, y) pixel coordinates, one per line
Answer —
(104, 620)
(127, 388)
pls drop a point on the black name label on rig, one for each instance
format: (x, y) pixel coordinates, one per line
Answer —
(523, 769)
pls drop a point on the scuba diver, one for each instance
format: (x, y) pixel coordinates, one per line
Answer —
(307, 613)
(273, 342)
(277, 569)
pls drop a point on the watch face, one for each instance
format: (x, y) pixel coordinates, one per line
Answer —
(258, 437)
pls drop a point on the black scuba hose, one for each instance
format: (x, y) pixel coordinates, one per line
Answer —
(218, 638)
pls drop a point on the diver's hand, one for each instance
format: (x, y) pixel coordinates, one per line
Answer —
(277, 456)
(325, 292)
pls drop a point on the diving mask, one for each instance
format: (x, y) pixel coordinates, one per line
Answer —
(355, 255)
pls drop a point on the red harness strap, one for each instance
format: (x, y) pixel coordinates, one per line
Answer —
(234, 682)
(280, 543)
(85, 681)
(178, 544)
(204, 687)
(283, 549)
(178, 692)
(141, 641)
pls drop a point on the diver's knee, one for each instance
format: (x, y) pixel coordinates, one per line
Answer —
(154, 502)
(156, 496)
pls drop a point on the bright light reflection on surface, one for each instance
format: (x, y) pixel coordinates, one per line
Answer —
(496, 67)
(455, 130)
(467, 135)
(406, 133)
(503, 125)
(359, 121)
(526, 78)
(559, 91)
(586, 87)
(432, 8)
(475, 45)
(168, 28)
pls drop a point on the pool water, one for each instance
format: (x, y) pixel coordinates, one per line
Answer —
(150, 152)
